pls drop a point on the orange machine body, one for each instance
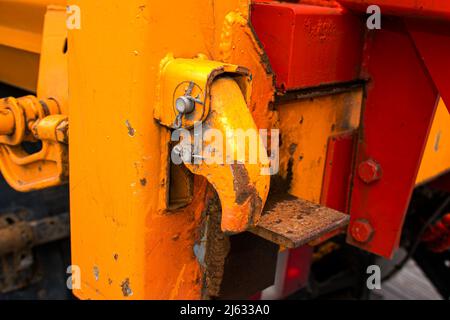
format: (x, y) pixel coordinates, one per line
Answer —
(129, 238)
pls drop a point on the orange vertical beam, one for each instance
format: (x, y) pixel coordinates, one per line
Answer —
(125, 246)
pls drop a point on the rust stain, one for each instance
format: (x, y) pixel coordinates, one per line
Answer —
(96, 272)
(292, 222)
(292, 148)
(131, 130)
(126, 289)
(245, 192)
(217, 249)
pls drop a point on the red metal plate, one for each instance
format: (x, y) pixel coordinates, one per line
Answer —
(308, 45)
(297, 270)
(400, 104)
(432, 39)
(338, 171)
(407, 8)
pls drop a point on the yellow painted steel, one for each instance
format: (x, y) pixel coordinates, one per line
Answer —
(436, 159)
(175, 77)
(306, 126)
(125, 247)
(7, 122)
(33, 120)
(220, 94)
(21, 70)
(309, 124)
(21, 28)
(241, 186)
(32, 34)
(52, 77)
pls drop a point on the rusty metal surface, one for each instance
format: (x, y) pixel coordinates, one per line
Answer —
(292, 222)
(17, 271)
(50, 229)
(20, 235)
(17, 238)
(14, 237)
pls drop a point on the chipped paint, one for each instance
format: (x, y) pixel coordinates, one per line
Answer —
(126, 289)
(112, 188)
(175, 291)
(131, 130)
(96, 272)
(437, 141)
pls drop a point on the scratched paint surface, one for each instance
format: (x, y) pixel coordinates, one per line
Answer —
(139, 252)
(306, 126)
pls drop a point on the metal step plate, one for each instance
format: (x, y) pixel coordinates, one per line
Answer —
(292, 222)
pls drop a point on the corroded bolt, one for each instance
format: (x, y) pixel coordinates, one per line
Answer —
(369, 171)
(361, 231)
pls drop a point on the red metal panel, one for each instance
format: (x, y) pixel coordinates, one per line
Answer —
(337, 177)
(293, 267)
(412, 8)
(432, 39)
(308, 45)
(338, 171)
(399, 108)
(297, 270)
(322, 3)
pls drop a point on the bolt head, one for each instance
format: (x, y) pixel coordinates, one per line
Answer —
(369, 171)
(361, 231)
(184, 105)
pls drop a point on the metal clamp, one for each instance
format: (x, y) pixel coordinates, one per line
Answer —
(34, 120)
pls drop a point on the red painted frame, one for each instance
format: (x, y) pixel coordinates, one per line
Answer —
(338, 171)
(400, 104)
(405, 65)
(432, 40)
(406, 8)
(309, 46)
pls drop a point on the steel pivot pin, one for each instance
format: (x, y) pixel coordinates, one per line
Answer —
(184, 105)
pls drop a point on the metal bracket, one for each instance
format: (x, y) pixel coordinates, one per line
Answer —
(184, 90)
(217, 95)
(34, 121)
